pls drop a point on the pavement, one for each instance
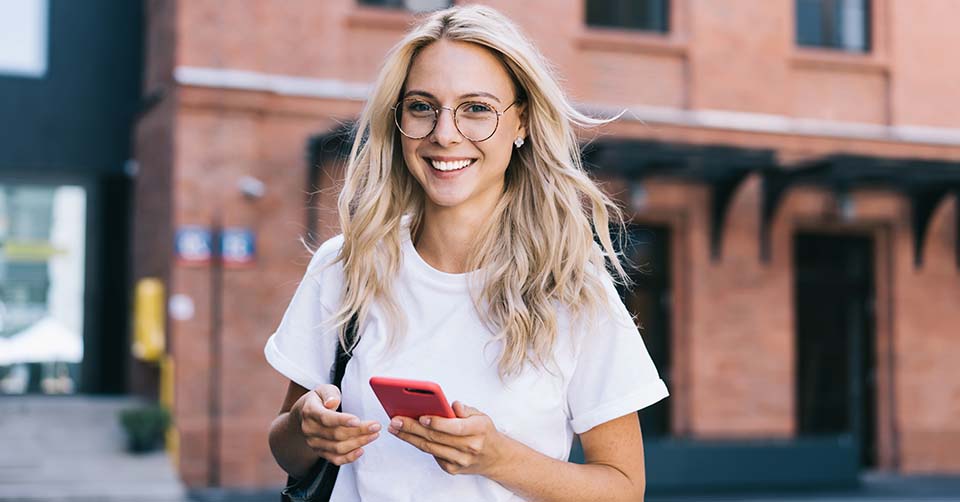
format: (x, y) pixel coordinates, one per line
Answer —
(874, 487)
(71, 449)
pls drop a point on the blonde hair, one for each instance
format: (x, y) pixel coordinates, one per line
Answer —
(536, 254)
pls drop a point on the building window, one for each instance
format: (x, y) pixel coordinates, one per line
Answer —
(834, 24)
(23, 38)
(647, 15)
(42, 268)
(412, 5)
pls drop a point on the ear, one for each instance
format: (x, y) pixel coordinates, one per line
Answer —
(522, 114)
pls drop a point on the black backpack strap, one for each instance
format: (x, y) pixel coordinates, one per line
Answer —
(343, 357)
(319, 481)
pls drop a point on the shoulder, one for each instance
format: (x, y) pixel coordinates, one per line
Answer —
(324, 275)
(324, 266)
(599, 273)
(326, 255)
(605, 312)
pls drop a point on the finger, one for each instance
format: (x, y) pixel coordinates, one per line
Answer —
(448, 467)
(337, 433)
(411, 426)
(337, 419)
(451, 426)
(441, 451)
(330, 395)
(345, 459)
(464, 411)
(340, 447)
(317, 426)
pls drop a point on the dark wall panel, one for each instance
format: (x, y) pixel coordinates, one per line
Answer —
(78, 116)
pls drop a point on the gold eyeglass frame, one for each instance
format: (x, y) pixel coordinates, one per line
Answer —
(436, 117)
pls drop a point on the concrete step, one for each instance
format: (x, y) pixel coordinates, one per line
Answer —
(72, 448)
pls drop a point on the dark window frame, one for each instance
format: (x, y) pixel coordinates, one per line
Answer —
(818, 26)
(648, 16)
(392, 4)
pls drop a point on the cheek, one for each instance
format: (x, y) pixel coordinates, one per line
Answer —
(498, 154)
(409, 150)
(501, 144)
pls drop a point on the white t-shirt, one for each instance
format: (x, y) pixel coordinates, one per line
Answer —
(607, 377)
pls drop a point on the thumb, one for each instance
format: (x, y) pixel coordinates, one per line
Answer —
(330, 395)
(464, 411)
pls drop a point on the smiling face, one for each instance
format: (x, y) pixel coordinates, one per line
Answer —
(454, 171)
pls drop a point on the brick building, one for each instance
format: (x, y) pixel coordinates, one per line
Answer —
(791, 168)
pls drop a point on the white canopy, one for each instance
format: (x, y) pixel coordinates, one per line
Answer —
(47, 340)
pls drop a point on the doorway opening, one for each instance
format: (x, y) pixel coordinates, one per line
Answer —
(647, 249)
(836, 340)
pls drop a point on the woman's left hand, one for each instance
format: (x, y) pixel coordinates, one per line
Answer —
(468, 444)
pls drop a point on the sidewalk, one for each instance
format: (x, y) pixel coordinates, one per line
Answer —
(71, 449)
(875, 487)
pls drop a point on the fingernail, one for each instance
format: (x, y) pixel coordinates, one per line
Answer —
(353, 422)
(374, 427)
(396, 423)
(425, 420)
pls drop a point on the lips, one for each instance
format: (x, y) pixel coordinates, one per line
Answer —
(449, 164)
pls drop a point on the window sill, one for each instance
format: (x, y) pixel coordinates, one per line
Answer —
(831, 60)
(620, 40)
(383, 18)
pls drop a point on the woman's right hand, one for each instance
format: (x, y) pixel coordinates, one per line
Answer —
(337, 437)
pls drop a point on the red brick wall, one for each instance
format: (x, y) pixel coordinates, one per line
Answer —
(733, 321)
(924, 89)
(720, 54)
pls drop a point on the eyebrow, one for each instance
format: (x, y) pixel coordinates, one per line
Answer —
(416, 92)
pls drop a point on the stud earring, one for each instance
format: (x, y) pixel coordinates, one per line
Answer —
(518, 142)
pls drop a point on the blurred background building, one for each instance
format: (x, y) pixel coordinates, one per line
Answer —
(791, 169)
(70, 86)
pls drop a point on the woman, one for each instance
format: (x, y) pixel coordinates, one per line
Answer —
(468, 257)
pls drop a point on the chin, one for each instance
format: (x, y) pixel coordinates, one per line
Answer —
(447, 202)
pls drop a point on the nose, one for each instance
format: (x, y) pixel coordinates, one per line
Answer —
(445, 132)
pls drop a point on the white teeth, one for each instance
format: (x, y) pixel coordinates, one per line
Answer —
(451, 166)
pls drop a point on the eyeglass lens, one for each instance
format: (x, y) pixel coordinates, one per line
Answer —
(476, 121)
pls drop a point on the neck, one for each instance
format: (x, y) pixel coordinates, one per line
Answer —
(447, 235)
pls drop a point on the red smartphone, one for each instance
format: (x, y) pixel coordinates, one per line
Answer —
(411, 398)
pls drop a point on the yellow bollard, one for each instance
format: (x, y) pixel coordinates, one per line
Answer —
(166, 400)
(149, 345)
(148, 320)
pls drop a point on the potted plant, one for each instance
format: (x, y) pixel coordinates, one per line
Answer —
(145, 427)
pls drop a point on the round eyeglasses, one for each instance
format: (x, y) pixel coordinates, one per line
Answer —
(476, 120)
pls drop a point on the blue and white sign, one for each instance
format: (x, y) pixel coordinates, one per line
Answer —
(193, 245)
(238, 246)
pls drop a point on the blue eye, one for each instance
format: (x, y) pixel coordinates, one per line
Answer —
(478, 108)
(419, 106)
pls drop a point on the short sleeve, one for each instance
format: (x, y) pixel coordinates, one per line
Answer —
(614, 374)
(303, 348)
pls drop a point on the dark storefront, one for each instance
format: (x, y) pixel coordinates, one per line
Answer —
(66, 116)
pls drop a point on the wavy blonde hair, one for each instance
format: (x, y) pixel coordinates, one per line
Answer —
(537, 253)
